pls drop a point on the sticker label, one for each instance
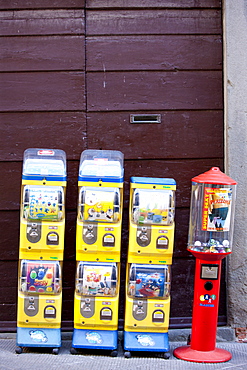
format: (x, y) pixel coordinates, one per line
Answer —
(94, 338)
(100, 205)
(207, 300)
(43, 204)
(145, 340)
(148, 284)
(97, 281)
(216, 209)
(38, 336)
(45, 152)
(40, 277)
(153, 207)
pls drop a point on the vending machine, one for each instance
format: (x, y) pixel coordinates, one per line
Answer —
(98, 246)
(41, 246)
(212, 206)
(148, 277)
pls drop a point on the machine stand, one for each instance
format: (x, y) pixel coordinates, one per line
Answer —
(90, 339)
(148, 342)
(188, 354)
(36, 337)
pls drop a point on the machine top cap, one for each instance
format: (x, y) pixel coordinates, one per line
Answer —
(101, 164)
(214, 176)
(44, 163)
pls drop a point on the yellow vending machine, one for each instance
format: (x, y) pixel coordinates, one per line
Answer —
(98, 247)
(41, 246)
(148, 276)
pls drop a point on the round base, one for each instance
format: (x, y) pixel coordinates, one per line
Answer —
(188, 354)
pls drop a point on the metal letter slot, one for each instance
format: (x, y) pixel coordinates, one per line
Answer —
(145, 118)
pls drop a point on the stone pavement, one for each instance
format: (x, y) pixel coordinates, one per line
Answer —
(40, 359)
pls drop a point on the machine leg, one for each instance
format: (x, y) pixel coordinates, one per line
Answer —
(73, 351)
(127, 354)
(114, 353)
(18, 350)
(166, 355)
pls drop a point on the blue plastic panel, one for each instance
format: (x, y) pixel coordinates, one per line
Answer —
(101, 339)
(151, 342)
(38, 337)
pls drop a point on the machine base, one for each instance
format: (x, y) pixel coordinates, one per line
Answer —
(140, 341)
(188, 354)
(38, 337)
(101, 339)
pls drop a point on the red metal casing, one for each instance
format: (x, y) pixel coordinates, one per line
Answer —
(206, 294)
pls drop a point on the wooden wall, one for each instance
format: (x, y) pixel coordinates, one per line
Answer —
(72, 74)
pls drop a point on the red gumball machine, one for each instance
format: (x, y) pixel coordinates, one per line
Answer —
(210, 240)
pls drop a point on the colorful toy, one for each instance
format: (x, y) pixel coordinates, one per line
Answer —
(148, 280)
(98, 243)
(210, 240)
(41, 249)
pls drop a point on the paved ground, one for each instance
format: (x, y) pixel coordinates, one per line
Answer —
(43, 360)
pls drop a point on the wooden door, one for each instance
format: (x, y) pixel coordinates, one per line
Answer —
(158, 63)
(143, 77)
